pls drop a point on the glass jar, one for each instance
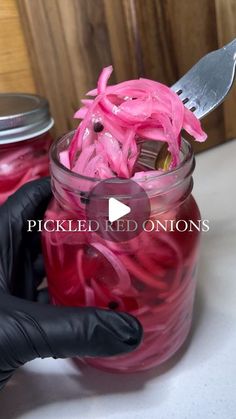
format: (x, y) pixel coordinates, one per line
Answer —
(25, 122)
(159, 265)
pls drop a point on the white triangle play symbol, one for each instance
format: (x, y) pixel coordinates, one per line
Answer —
(117, 209)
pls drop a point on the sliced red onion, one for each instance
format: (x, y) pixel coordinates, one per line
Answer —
(148, 108)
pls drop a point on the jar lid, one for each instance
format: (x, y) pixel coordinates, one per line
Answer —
(23, 116)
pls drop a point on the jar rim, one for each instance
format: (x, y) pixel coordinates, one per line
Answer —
(188, 155)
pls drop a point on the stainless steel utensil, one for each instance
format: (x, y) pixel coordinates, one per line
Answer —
(208, 82)
(201, 90)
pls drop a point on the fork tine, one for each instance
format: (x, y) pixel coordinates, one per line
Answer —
(177, 90)
(182, 95)
(190, 104)
(208, 82)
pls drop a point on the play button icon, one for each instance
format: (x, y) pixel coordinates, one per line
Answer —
(116, 209)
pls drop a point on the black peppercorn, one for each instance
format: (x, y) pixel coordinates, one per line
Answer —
(98, 127)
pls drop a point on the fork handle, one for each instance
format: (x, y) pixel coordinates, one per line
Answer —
(230, 48)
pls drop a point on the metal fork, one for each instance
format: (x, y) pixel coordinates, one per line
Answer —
(201, 90)
(208, 82)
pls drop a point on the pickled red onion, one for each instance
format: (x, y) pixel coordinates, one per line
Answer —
(105, 145)
(144, 107)
(120, 269)
(21, 162)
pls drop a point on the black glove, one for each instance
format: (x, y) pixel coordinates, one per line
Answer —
(30, 329)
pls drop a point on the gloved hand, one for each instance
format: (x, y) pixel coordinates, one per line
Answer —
(30, 329)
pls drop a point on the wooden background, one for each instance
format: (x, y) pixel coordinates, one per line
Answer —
(15, 70)
(58, 47)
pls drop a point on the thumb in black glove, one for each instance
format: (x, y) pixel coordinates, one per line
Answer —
(29, 329)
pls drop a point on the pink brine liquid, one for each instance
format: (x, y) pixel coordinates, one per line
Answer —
(161, 267)
(21, 162)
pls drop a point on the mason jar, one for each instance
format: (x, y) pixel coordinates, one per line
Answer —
(25, 140)
(152, 276)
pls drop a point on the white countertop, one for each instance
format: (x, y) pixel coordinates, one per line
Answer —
(201, 381)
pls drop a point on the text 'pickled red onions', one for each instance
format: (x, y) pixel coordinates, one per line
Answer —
(105, 142)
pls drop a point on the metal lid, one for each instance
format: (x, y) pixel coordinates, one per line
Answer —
(23, 116)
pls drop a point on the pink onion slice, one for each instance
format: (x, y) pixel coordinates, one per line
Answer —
(118, 266)
(147, 108)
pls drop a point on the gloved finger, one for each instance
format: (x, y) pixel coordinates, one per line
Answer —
(28, 203)
(38, 330)
(32, 275)
(33, 240)
(39, 272)
(19, 248)
(22, 284)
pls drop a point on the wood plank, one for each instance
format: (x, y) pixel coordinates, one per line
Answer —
(69, 45)
(121, 38)
(87, 41)
(46, 46)
(15, 66)
(8, 9)
(18, 81)
(226, 27)
(70, 41)
(157, 60)
(194, 34)
(174, 37)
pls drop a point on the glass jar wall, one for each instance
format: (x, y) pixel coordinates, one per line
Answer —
(24, 140)
(152, 276)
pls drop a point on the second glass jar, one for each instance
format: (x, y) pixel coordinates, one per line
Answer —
(24, 140)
